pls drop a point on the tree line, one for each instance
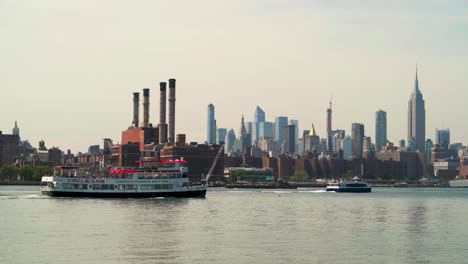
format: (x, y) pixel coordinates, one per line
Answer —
(26, 173)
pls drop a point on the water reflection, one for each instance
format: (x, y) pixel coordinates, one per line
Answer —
(416, 232)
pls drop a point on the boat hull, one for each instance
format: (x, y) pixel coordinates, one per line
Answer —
(351, 190)
(184, 194)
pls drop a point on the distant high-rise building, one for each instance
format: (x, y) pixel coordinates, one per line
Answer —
(16, 130)
(329, 128)
(211, 128)
(347, 147)
(357, 135)
(259, 115)
(380, 129)
(265, 130)
(417, 117)
(280, 122)
(289, 133)
(229, 141)
(221, 135)
(296, 136)
(443, 138)
(312, 141)
(428, 149)
(367, 144)
(402, 143)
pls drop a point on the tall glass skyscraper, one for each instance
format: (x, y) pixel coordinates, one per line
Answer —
(443, 138)
(357, 135)
(211, 127)
(280, 122)
(417, 117)
(380, 129)
(259, 115)
(221, 135)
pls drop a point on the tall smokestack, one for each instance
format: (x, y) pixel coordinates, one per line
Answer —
(171, 128)
(136, 109)
(162, 113)
(145, 107)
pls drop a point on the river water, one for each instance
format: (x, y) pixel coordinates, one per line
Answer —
(389, 225)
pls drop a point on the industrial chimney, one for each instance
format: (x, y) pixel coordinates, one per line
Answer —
(136, 109)
(145, 107)
(162, 113)
(171, 128)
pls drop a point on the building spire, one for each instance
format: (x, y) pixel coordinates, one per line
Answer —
(243, 130)
(416, 81)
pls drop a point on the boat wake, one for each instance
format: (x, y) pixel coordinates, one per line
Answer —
(314, 191)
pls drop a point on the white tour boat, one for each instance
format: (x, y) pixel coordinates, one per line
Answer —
(170, 180)
(356, 185)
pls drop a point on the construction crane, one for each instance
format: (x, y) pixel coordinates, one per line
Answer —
(220, 151)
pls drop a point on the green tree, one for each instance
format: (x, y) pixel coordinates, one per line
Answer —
(299, 176)
(8, 172)
(40, 171)
(27, 172)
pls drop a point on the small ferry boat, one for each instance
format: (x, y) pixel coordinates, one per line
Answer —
(170, 180)
(356, 185)
(459, 182)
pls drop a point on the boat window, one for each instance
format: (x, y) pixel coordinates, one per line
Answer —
(157, 186)
(356, 185)
(130, 187)
(121, 187)
(96, 186)
(43, 183)
(104, 186)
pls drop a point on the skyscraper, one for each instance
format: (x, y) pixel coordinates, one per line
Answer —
(428, 150)
(296, 136)
(289, 133)
(357, 135)
(211, 127)
(329, 128)
(221, 135)
(443, 138)
(259, 115)
(417, 117)
(280, 122)
(380, 129)
(229, 141)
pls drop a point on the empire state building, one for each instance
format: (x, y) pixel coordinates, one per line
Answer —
(416, 118)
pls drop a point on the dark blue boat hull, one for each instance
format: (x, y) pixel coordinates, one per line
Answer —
(186, 194)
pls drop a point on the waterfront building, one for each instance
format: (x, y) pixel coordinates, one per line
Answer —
(417, 117)
(9, 148)
(443, 138)
(357, 135)
(428, 149)
(268, 145)
(221, 135)
(280, 122)
(211, 127)
(380, 129)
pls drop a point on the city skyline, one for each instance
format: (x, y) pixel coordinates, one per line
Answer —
(81, 73)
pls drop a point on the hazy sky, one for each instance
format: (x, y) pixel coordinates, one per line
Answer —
(69, 68)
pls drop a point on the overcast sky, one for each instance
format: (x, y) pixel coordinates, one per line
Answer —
(69, 68)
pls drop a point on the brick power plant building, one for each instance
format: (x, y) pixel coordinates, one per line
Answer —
(143, 143)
